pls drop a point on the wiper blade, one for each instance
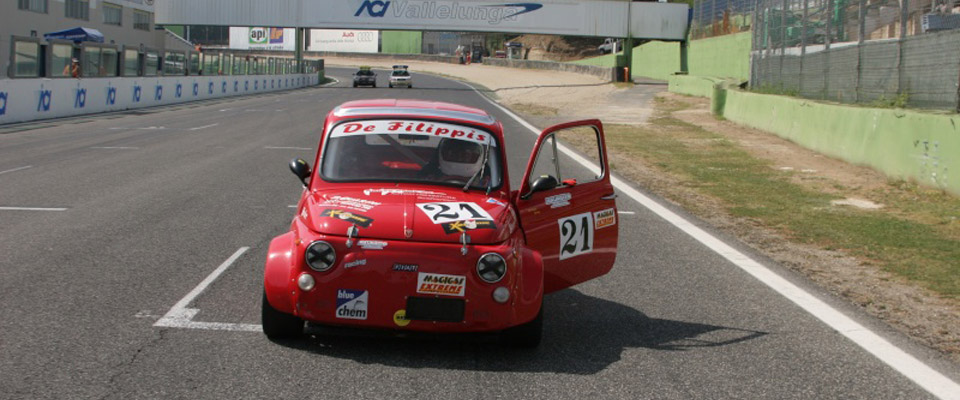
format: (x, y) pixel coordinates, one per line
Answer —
(479, 173)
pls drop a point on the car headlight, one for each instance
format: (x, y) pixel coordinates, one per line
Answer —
(320, 256)
(491, 267)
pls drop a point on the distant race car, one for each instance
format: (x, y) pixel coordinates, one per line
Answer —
(400, 77)
(409, 223)
(365, 77)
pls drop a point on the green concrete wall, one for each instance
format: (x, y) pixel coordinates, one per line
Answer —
(692, 85)
(905, 144)
(401, 42)
(725, 56)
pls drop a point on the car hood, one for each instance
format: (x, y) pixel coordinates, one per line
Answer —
(424, 213)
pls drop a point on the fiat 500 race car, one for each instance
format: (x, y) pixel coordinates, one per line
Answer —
(409, 223)
(400, 77)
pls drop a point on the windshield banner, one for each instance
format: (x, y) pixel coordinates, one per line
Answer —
(408, 127)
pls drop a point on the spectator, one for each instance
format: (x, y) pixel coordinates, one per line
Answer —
(73, 69)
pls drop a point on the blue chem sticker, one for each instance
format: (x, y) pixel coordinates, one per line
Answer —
(179, 91)
(196, 89)
(3, 103)
(352, 304)
(136, 93)
(111, 96)
(80, 100)
(46, 99)
(158, 95)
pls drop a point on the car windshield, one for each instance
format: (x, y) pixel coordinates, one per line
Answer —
(418, 151)
(401, 73)
(365, 72)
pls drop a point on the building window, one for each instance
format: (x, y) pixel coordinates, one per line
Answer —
(141, 20)
(131, 62)
(26, 59)
(79, 9)
(39, 6)
(112, 14)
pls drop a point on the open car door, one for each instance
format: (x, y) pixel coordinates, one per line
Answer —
(568, 210)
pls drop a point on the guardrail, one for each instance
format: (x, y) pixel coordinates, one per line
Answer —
(606, 73)
(24, 100)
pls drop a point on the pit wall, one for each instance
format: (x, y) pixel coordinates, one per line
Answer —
(726, 56)
(24, 100)
(917, 146)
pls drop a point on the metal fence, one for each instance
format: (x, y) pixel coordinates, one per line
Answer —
(721, 17)
(883, 52)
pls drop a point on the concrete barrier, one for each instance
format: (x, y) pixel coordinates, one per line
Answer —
(692, 85)
(607, 74)
(923, 147)
(35, 99)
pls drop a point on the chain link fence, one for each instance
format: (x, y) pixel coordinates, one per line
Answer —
(878, 52)
(721, 17)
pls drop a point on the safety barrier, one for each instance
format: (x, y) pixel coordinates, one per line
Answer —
(607, 74)
(35, 99)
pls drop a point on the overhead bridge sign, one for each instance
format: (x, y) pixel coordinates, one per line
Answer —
(602, 18)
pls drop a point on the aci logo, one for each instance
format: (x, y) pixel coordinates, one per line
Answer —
(210, 88)
(196, 89)
(256, 85)
(46, 98)
(236, 86)
(3, 103)
(223, 87)
(111, 96)
(352, 304)
(179, 91)
(158, 94)
(136, 93)
(80, 100)
(381, 8)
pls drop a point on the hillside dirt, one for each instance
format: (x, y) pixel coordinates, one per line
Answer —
(547, 97)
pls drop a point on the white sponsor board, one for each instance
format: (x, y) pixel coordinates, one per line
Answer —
(34, 99)
(604, 18)
(347, 41)
(263, 38)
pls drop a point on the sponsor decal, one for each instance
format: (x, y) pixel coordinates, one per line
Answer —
(81, 99)
(137, 90)
(303, 213)
(355, 263)
(256, 85)
(158, 94)
(223, 87)
(372, 244)
(179, 91)
(493, 14)
(453, 211)
(470, 224)
(375, 8)
(449, 285)
(276, 35)
(558, 200)
(402, 192)
(46, 98)
(405, 267)
(196, 89)
(604, 218)
(258, 35)
(576, 235)
(246, 86)
(347, 216)
(400, 318)
(352, 304)
(111, 96)
(406, 127)
(492, 200)
(3, 103)
(350, 202)
(210, 88)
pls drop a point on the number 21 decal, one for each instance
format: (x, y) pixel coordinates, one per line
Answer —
(453, 211)
(576, 235)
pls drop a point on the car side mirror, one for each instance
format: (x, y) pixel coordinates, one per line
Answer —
(301, 169)
(543, 183)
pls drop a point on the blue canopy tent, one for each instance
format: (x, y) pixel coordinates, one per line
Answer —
(78, 34)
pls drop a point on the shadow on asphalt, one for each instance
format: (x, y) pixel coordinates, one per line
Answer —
(582, 335)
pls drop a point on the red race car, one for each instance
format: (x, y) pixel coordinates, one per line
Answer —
(409, 223)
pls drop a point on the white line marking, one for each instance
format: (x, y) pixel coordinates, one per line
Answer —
(225, 109)
(16, 169)
(33, 209)
(180, 316)
(292, 206)
(205, 126)
(907, 365)
(115, 147)
(626, 212)
(288, 148)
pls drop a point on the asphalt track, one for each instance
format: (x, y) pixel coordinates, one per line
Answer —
(108, 222)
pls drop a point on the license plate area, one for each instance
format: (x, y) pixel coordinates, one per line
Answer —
(435, 309)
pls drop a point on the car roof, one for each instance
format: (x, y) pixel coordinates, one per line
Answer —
(409, 107)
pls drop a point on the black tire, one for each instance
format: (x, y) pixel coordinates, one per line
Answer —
(410, 86)
(279, 325)
(374, 85)
(390, 85)
(527, 335)
(354, 84)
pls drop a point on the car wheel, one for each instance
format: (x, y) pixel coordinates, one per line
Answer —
(390, 85)
(354, 84)
(410, 86)
(527, 335)
(374, 85)
(279, 325)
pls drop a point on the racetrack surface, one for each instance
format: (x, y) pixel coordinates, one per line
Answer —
(146, 205)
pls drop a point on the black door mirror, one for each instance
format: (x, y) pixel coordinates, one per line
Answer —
(543, 183)
(301, 169)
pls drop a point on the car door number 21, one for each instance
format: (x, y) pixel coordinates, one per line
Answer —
(576, 235)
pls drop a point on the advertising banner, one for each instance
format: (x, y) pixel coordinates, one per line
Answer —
(349, 41)
(262, 38)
